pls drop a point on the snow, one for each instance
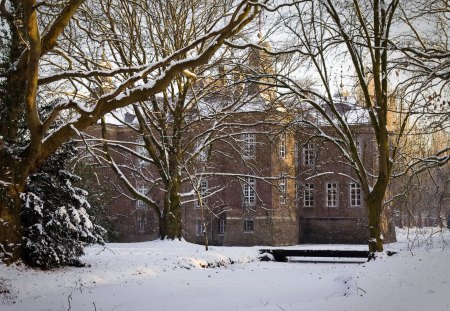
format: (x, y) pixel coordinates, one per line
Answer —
(170, 275)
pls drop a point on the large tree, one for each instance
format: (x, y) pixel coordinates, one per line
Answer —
(400, 68)
(52, 51)
(177, 131)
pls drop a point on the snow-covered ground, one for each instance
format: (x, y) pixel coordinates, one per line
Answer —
(174, 276)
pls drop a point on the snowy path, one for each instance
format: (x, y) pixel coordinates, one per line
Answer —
(167, 276)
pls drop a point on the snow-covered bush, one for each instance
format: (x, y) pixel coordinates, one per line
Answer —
(56, 225)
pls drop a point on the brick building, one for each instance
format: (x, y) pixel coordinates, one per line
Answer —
(257, 203)
(131, 219)
(269, 184)
(265, 182)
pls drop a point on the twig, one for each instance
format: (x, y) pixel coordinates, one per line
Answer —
(69, 298)
(104, 250)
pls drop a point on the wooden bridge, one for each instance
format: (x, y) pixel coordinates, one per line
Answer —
(318, 255)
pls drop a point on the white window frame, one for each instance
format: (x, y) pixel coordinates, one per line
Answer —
(199, 227)
(139, 203)
(249, 148)
(247, 227)
(249, 190)
(282, 146)
(308, 195)
(308, 154)
(222, 226)
(332, 194)
(142, 151)
(355, 194)
(283, 189)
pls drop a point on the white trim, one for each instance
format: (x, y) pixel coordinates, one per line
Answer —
(282, 146)
(335, 194)
(308, 156)
(249, 147)
(143, 191)
(199, 225)
(358, 196)
(222, 224)
(249, 191)
(310, 188)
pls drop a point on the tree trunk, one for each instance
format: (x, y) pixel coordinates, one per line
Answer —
(170, 224)
(171, 227)
(375, 240)
(12, 133)
(11, 247)
(205, 236)
(174, 223)
(162, 227)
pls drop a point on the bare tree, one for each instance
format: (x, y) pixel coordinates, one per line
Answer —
(396, 78)
(59, 59)
(177, 132)
(420, 182)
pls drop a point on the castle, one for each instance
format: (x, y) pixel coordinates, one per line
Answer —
(264, 179)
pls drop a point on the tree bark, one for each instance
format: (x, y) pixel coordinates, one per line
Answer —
(374, 205)
(170, 224)
(11, 248)
(172, 212)
(174, 224)
(12, 131)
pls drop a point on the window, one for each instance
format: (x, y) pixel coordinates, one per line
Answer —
(283, 188)
(222, 225)
(199, 227)
(308, 195)
(143, 191)
(332, 194)
(203, 153)
(296, 154)
(249, 191)
(248, 225)
(202, 188)
(142, 223)
(358, 147)
(141, 149)
(308, 154)
(282, 148)
(355, 194)
(249, 145)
